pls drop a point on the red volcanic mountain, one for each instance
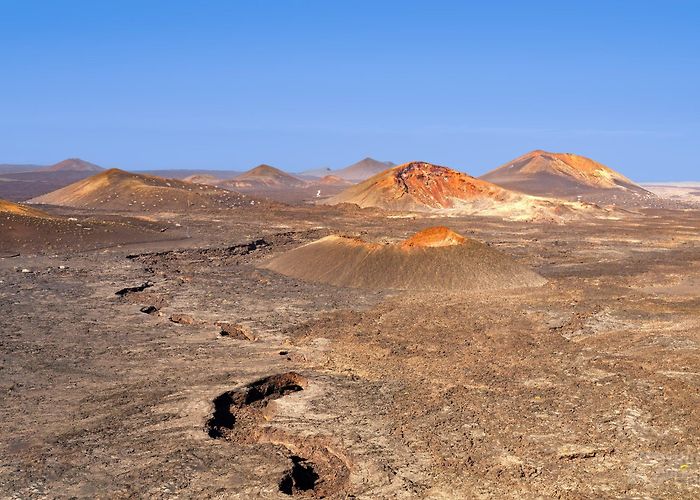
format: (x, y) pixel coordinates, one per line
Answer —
(542, 173)
(424, 187)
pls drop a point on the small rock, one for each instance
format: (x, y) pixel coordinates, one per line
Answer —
(578, 452)
(235, 331)
(149, 309)
(182, 319)
(26, 271)
(133, 289)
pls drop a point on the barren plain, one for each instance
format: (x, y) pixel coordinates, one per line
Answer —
(179, 366)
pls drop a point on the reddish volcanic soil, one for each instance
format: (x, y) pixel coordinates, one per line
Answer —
(439, 236)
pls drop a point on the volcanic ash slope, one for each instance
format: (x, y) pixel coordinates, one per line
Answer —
(10, 208)
(424, 187)
(26, 229)
(433, 259)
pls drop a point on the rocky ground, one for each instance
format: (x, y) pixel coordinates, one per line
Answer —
(180, 368)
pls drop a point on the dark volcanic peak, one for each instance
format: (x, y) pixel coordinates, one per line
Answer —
(74, 165)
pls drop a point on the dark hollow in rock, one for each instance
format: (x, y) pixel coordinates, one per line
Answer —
(149, 309)
(299, 478)
(133, 289)
(222, 418)
(256, 394)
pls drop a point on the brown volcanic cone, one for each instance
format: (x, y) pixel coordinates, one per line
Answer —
(264, 176)
(434, 259)
(74, 165)
(542, 173)
(424, 187)
(332, 180)
(363, 169)
(119, 190)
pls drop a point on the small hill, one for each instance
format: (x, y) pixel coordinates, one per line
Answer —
(203, 179)
(265, 176)
(116, 189)
(74, 165)
(332, 180)
(435, 259)
(363, 169)
(567, 175)
(424, 187)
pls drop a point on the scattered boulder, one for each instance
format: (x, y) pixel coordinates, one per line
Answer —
(150, 309)
(133, 289)
(235, 331)
(182, 319)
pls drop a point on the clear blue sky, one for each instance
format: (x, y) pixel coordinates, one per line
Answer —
(302, 84)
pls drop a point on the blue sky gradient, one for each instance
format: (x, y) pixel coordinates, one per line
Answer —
(303, 84)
